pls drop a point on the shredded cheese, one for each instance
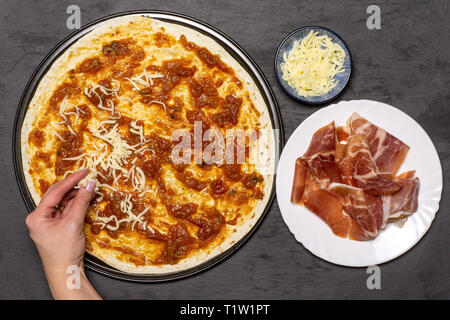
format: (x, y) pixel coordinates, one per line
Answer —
(56, 134)
(111, 152)
(159, 102)
(126, 207)
(64, 115)
(311, 65)
(139, 130)
(111, 108)
(111, 160)
(144, 79)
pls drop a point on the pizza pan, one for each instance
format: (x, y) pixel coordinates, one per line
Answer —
(228, 44)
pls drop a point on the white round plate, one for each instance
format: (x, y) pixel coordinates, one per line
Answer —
(315, 235)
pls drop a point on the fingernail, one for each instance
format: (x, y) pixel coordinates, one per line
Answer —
(90, 185)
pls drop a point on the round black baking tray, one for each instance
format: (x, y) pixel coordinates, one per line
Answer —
(228, 44)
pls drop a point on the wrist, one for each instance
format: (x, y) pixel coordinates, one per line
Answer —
(59, 271)
(69, 282)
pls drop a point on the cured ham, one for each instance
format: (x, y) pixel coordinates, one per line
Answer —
(404, 202)
(298, 187)
(328, 206)
(347, 178)
(317, 164)
(323, 142)
(359, 169)
(342, 133)
(387, 151)
(365, 208)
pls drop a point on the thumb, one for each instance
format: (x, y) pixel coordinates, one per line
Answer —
(81, 202)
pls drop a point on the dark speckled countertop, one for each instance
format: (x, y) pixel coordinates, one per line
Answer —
(404, 64)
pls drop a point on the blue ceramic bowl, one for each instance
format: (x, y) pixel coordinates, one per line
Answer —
(342, 78)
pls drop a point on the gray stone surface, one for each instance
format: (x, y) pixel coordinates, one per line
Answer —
(404, 64)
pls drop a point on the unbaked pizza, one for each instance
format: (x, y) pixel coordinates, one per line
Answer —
(112, 103)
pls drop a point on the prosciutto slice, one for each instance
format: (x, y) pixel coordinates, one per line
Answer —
(387, 151)
(347, 178)
(298, 187)
(328, 206)
(366, 209)
(323, 142)
(405, 201)
(317, 165)
(359, 169)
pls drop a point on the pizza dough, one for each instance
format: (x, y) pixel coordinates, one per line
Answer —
(111, 102)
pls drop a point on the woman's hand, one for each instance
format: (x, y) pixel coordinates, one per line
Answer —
(56, 227)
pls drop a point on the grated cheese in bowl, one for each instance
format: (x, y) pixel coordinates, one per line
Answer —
(311, 64)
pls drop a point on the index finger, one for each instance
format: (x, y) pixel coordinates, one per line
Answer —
(56, 194)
